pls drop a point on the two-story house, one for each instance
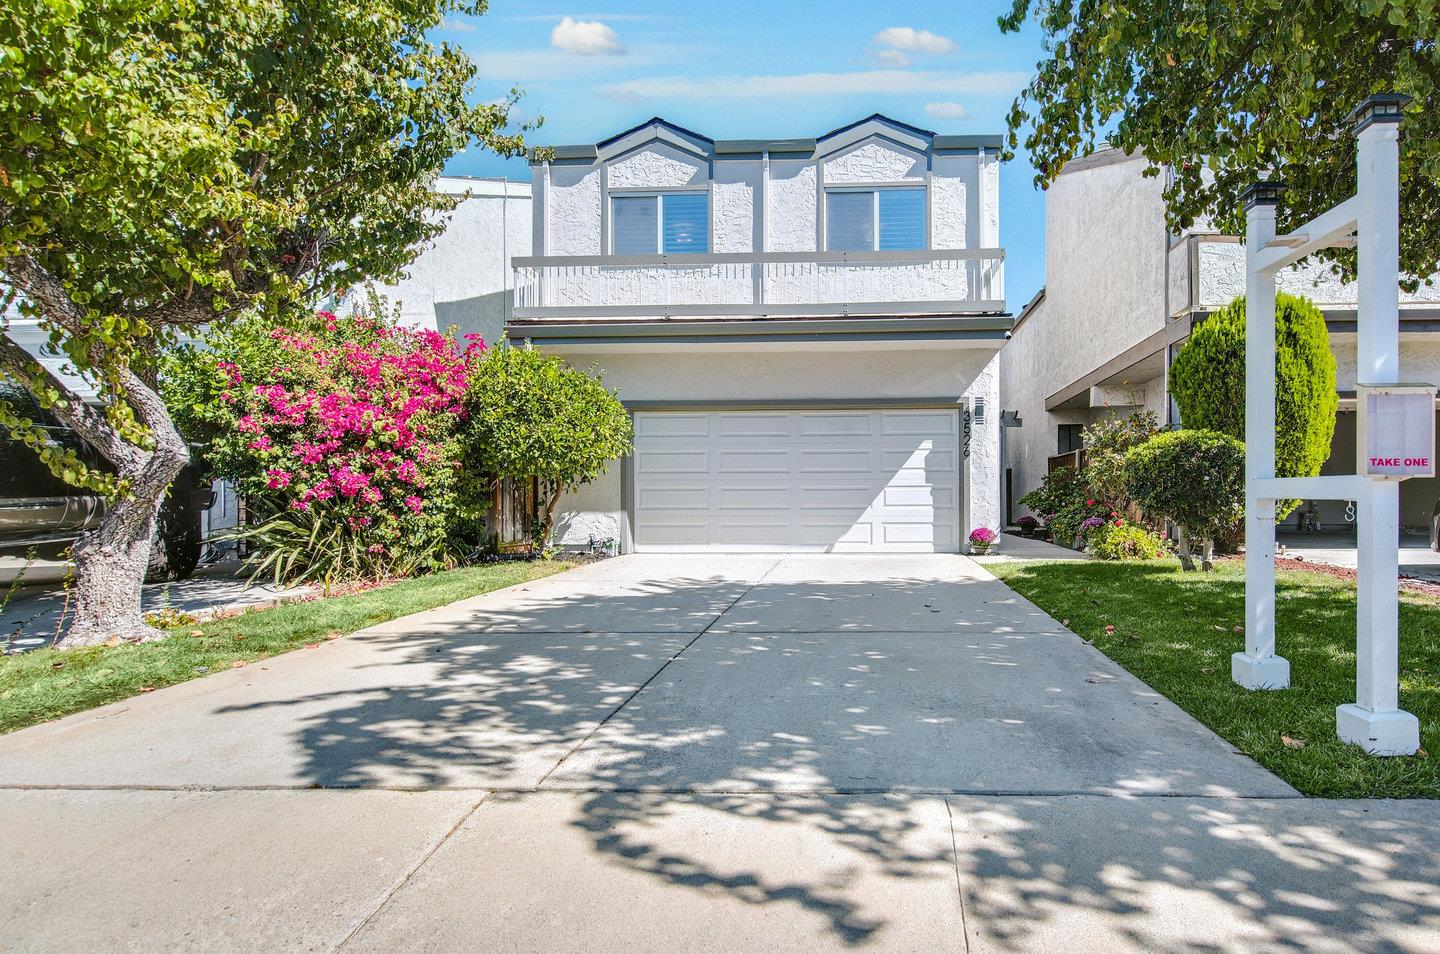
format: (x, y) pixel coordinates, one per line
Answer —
(805, 331)
(1121, 296)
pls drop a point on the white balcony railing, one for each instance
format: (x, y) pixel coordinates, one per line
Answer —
(932, 282)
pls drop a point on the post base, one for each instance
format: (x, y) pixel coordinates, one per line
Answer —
(1260, 672)
(1380, 733)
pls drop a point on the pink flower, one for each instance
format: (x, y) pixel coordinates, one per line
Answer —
(414, 503)
(279, 479)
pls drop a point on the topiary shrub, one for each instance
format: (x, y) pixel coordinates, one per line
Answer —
(1195, 478)
(1122, 540)
(533, 415)
(1207, 380)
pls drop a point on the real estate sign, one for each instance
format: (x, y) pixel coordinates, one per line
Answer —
(1396, 436)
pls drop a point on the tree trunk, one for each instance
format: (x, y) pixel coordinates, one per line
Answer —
(110, 561)
(1207, 554)
(548, 522)
(1187, 564)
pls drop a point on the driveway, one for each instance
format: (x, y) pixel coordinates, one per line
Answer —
(675, 753)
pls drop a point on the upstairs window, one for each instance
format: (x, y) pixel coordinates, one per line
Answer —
(673, 223)
(867, 220)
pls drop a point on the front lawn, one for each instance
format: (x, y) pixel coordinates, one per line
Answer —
(1176, 632)
(48, 683)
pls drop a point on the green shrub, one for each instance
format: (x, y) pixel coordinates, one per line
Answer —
(1207, 381)
(1064, 501)
(1194, 478)
(1106, 442)
(1126, 542)
(533, 415)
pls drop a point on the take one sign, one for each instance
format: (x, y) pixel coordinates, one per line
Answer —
(1396, 424)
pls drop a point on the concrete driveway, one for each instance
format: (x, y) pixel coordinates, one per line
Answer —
(691, 753)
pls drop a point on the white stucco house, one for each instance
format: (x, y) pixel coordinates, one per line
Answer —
(1121, 296)
(462, 279)
(805, 330)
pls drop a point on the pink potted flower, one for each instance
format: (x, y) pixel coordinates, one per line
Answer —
(982, 539)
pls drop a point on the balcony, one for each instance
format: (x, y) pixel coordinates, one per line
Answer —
(761, 284)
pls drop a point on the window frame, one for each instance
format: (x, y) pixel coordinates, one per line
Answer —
(659, 196)
(875, 188)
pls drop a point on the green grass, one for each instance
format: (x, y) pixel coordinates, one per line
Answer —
(1177, 631)
(48, 683)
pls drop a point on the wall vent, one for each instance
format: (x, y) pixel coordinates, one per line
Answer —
(977, 413)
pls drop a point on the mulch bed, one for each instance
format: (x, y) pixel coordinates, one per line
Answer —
(1345, 573)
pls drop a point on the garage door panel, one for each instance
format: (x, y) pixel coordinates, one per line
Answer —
(853, 480)
(671, 425)
(753, 498)
(836, 424)
(845, 460)
(925, 459)
(754, 425)
(663, 462)
(918, 424)
(838, 534)
(918, 495)
(755, 534)
(673, 498)
(754, 461)
(665, 533)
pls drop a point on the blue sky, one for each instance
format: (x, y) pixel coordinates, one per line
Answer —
(750, 69)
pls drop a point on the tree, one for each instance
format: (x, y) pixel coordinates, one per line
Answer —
(1227, 94)
(1196, 479)
(170, 164)
(533, 415)
(1207, 380)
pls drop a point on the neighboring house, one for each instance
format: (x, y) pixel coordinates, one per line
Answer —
(806, 331)
(1121, 296)
(463, 278)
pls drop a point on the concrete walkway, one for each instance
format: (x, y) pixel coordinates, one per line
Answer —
(669, 754)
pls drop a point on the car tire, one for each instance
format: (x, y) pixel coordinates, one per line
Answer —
(175, 552)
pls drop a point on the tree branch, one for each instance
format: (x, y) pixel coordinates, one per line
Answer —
(87, 421)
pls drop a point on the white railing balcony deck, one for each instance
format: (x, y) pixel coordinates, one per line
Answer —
(761, 284)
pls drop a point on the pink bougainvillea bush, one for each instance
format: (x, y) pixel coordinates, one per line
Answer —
(341, 431)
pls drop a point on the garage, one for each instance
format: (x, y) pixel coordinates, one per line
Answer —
(821, 480)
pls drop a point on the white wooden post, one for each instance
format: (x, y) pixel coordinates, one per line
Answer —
(1258, 667)
(1372, 215)
(1375, 722)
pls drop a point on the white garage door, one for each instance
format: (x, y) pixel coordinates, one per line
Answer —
(862, 480)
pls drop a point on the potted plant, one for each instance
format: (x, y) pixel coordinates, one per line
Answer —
(1028, 525)
(982, 539)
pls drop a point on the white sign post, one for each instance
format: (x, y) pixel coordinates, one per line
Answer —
(1392, 429)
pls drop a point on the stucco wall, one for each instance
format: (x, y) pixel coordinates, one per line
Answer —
(790, 212)
(875, 161)
(573, 204)
(719, 375)
(463, 279)
(1105, 251)
(734, 198)
(657, 166)
(1221, 277)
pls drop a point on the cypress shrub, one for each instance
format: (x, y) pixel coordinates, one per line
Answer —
(1207, 381)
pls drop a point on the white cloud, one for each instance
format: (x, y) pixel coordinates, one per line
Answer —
(865, 82)
(916, 41)
(946, 111)
(896, 58)
(586, 37)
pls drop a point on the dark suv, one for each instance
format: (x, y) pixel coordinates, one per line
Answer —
(41, 513)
